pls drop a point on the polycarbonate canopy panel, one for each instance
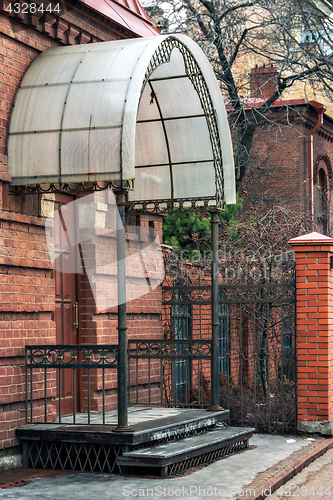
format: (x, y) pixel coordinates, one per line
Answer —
(147, 109)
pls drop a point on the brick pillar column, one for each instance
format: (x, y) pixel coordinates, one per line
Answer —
(314, 332)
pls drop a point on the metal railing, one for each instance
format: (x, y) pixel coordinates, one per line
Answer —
(44, 377)
(168, 372)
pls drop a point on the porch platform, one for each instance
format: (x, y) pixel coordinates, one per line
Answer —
(150, 425)
(201, 434)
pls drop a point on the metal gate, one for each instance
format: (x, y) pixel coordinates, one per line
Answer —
(258, 355)
(175, 370)
(186, 306)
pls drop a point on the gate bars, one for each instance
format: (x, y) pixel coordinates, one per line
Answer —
(258, 355)
(256, 346)
(155, 367)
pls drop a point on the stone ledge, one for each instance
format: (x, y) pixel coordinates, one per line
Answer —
(325, 428)
(21, 218)
(9, 462)
(4, 177)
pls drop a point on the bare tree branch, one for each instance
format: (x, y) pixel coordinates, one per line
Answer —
(294, 35)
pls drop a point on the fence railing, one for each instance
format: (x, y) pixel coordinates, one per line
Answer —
(168, 372)
(257, 349)
(258, 355)
(49, 385)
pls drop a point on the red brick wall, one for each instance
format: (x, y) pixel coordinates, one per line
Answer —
(26, 311)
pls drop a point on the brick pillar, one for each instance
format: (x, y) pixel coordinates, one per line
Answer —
(314, 332)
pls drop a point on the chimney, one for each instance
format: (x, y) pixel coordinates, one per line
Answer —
(263, 81)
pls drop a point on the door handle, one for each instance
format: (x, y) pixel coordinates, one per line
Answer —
(76, 307)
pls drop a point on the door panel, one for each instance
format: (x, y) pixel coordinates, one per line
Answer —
(65, 299)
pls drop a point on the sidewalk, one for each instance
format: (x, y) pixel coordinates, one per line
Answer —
(269, 463)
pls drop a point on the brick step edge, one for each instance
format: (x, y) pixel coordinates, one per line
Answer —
(278, 475)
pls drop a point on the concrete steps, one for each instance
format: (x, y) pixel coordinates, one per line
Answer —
(176, 456)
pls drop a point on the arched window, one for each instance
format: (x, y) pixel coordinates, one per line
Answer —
(322, 192)
(323, 184)
(322, 199)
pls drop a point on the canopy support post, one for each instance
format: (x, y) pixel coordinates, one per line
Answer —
(122, 320)
(215, 389)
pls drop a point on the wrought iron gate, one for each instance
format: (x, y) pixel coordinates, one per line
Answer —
(256, 349)
(258, 355)
(187, 314)
(175, 370)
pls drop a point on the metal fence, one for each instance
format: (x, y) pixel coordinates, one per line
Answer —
(167, 372)
(257, 354)
(257, 360)
(54, 373)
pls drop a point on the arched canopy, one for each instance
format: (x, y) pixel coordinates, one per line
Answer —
(145, 109)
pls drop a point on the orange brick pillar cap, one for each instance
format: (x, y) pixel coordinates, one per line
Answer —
(312, 238)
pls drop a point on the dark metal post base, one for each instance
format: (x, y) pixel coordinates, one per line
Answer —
(123, 428)
(215, 408)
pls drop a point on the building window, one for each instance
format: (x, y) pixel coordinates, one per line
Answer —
(322, 199)
(320, 39)
(322, 188)
(181, 370)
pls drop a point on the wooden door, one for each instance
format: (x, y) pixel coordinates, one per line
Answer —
(66, 302)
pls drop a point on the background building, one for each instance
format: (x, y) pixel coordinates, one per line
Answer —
(290, 160)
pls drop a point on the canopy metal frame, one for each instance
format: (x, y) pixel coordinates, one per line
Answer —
(194, 73)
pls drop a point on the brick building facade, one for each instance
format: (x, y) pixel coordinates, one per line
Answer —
(30, 302)
(279, 172)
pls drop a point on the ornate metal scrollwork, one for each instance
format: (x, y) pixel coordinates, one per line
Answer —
(72, 187)
(170, 349)
(262, 293)
(72, 356)
(186, 295)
